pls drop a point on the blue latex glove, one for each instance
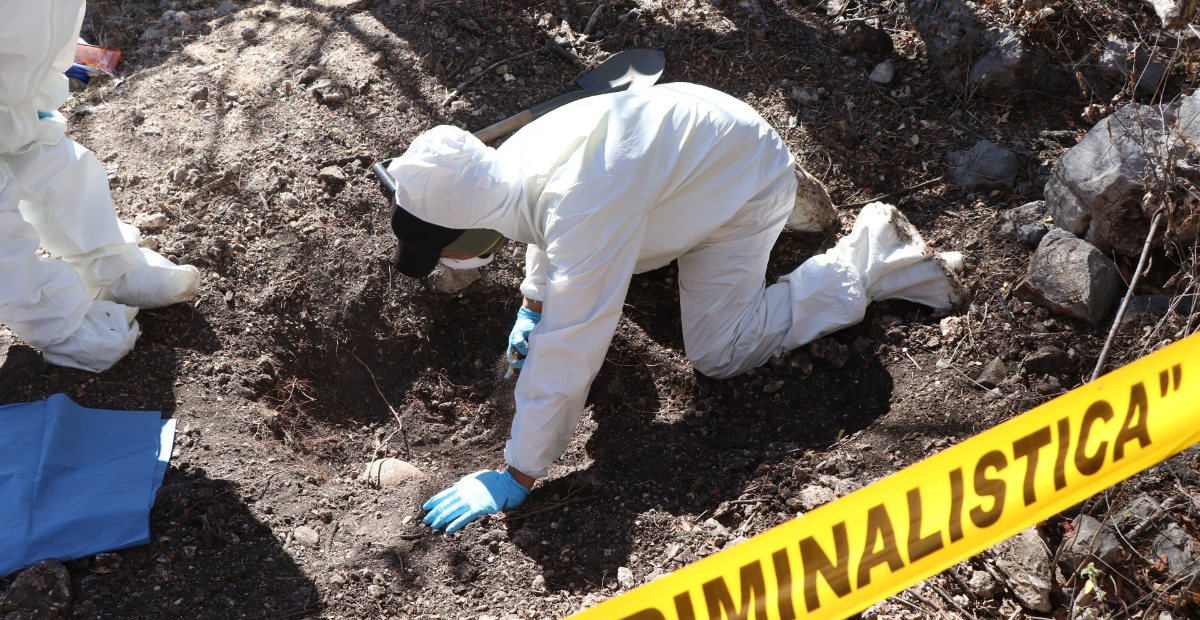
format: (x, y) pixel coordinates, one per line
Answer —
(518, 340)
(481, 493)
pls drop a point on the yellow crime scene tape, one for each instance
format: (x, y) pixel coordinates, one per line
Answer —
(846, 555)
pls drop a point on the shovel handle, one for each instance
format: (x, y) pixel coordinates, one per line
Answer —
(508, 125)
(513, 123)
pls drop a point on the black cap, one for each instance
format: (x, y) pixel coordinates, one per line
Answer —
(420, 243)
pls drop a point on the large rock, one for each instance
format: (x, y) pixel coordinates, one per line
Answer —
(1090, 542)
(1024, 560)
(43, 590)
(1070, 276)
(984, 167)
(1026, 223)
(1122, 59)
(1098, 189)
(1176, 546)
(990, 61)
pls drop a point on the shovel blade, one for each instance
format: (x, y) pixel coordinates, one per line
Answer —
(636, 68)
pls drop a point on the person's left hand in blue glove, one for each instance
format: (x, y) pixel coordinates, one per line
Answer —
(481, 493)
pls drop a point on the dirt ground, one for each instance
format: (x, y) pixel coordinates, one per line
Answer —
(305, 358)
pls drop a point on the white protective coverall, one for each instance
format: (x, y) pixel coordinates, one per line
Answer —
(624, 183)
(53, 192)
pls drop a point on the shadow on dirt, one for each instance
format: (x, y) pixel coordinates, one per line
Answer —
(209, 558)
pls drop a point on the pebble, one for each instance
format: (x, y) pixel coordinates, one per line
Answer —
(450, 281)
(539, 585)
(625, 578)
(332, 175)
(993, 374)
(376, 590)
(309, 75)
(306, 536)
(198, 93)
(883, 73)
(811, 497)
(1024, 560)
(150, 221)
(773, 387)
(250, 33)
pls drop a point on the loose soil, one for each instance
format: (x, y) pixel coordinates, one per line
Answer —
(305, 357)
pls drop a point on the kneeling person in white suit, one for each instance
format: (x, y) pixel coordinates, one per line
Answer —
(53, 192)
(620, 184)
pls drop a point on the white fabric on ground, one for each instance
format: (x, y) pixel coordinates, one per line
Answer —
(623, 183)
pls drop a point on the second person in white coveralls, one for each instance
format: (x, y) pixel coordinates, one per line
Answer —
(625, 183)
(79, 311)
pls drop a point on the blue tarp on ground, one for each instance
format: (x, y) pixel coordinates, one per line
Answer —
(77, 481)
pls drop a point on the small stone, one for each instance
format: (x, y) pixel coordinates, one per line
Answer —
(150, 221)
(289, 199)
(450, 281)
(810, 497)
(1048, 360)
(1026, 223)
(1024, 561)
(883, 73)
(150, 243)
(983, 585)
(226, 8)
(306, 536)
(1071, 276)
(390, 472)
(984, 167)
(1089, 542)
(378, 59)
(539, 585)
(337, 579)
(376, 590)
(309, 75)
(198, 93)
(952, 327)
(137, 114)
(625, 578)
(43, 589)
(332, 175)
(250, 33)
(773, 387)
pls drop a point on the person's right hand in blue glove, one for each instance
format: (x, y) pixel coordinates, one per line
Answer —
(481, 493)
(518, 340)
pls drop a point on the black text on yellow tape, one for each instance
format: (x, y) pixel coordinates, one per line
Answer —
(846, 555)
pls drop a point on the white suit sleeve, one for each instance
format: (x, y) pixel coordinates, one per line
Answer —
(534, 286)
(590, 259)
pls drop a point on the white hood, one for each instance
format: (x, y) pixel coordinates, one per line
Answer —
(449, 178)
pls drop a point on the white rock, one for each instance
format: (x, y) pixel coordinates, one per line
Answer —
(306, 536)
(1024, 560)
(625, 578)
(150, 221)
(386, 473)
(451, 281)
(883, 73)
